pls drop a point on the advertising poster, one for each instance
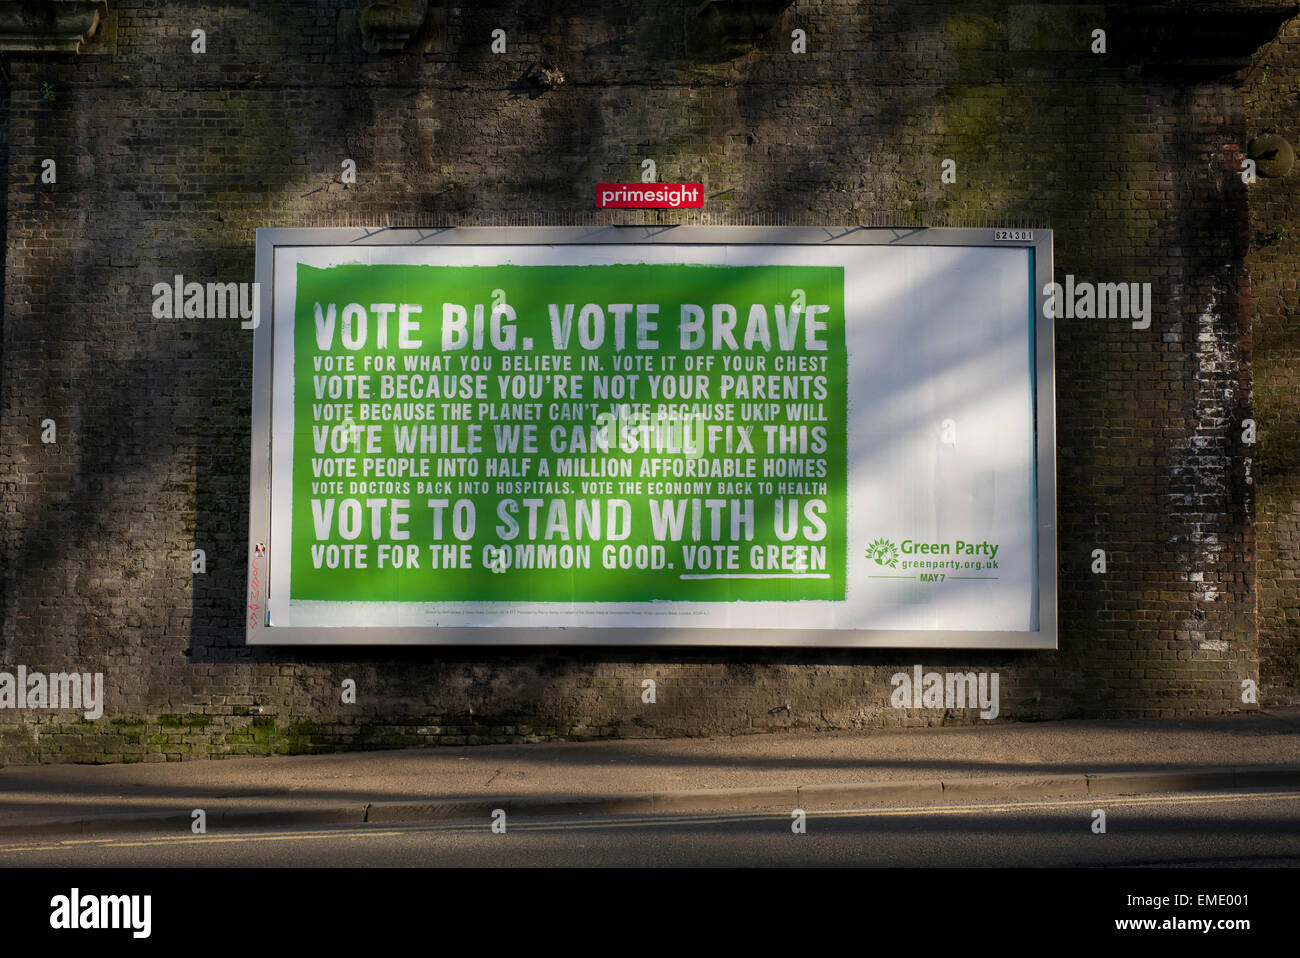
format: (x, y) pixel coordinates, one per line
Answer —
(725, 436)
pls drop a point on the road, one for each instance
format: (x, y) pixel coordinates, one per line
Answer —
(1248, 827)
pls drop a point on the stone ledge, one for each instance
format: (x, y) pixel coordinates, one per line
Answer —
(49, 26)
(399, 26)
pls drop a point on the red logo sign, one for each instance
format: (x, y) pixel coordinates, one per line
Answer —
(642, 196)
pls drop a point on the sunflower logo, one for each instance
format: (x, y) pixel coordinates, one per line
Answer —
(884, 552)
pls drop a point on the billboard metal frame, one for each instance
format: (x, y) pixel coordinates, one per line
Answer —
(260, 632)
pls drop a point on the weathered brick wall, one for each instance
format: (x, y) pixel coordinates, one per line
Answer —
(169, 160)
(1271, 99)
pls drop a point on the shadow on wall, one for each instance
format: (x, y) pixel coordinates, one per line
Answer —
(814, 171)
(571, 131)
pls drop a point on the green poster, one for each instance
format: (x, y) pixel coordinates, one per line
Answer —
(569, 434)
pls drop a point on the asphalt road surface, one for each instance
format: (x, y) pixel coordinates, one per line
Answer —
(1249, 827)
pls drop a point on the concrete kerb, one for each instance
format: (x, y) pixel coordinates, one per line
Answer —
(1072, 786)
(829, 796)
(262, 818)
(1264, 776)
(692, 800)
(1131, 783)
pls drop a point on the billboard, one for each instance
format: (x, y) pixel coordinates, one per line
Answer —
(627, 435)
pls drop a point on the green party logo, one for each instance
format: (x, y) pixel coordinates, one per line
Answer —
(884, 552)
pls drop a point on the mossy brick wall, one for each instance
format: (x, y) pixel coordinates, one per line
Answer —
(169, 160)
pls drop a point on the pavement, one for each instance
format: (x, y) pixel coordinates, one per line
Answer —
(804, 770)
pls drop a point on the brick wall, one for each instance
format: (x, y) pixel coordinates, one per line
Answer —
(168, 161)
(1271, 98)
